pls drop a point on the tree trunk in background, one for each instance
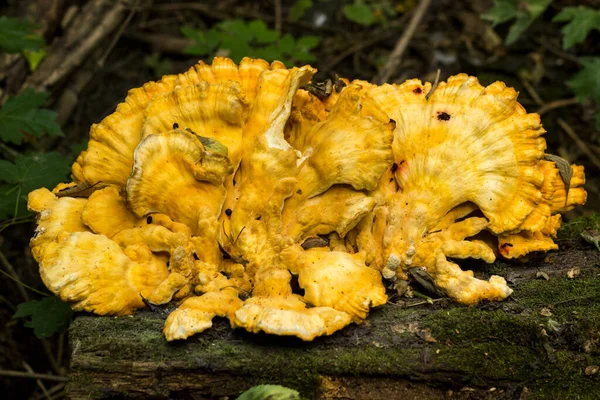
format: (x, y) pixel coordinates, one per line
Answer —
(541, 343)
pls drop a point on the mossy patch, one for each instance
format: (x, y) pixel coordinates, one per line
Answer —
(573, 229)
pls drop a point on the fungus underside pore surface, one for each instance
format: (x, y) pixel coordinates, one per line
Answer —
(484, 346)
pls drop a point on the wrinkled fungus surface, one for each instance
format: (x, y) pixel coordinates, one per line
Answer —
(233, 190)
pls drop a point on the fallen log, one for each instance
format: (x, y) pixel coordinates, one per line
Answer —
(543, 342)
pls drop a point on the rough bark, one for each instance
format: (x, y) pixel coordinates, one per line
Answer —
(543, 342)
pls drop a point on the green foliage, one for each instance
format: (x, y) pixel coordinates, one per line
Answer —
(271, 392)
(586, 82)
(158, 66)
(251, 39)
(47, 316)
(299, 9)
(582, 21)
(368, 13)
(523, 12)
(22, 113)
(28, 172)
(17, 34)
(360, 13)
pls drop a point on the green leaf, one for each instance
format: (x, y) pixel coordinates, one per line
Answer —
(299, 9)
(533, 9)
(586, 82)
(524, 11)
(307, 42)
(34, 58)
(262, 34)
(287, 44)
(582, 21)
(8, 201)
(47, 316)
(27, 173)
(502, 11)
(271, 392)
(360, 13)
(17, 35)
(22, 113)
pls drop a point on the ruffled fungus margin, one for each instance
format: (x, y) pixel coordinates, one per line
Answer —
(233, 189)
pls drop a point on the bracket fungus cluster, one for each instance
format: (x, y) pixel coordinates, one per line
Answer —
(237, 192)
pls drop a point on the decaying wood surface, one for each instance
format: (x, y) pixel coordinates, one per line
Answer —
(541, 343)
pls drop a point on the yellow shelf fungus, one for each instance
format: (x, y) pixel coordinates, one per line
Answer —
(235, 190)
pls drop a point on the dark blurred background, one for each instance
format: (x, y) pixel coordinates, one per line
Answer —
(92, 52)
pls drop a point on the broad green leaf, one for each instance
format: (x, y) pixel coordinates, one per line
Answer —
(46, 316)
(262, 34)
(586, 82)
(21, 113)
(307, 42)
(523, 11)
(271, 392)
(525, 17)
(27, 173)
(200, 47)
(8, 201)
(502, 11)
(582, 21)
(287, 43)
(299, 9)
(360, 13)
(17, 35)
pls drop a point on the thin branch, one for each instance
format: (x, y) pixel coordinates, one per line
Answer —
(556, 104)
(11, 270)
(435, 84)
(38, 381)
(532, 92)
(117, 35)
(580, 143)
(54, 389)
(29, 375)
(394, 58)
(278, 15)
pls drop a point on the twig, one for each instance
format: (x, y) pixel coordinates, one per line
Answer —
(351, 50)
(97, 21)
(12, 271)
(534, 95)
(8, 303)
(21, 374)
(117, 35)
(12, 153)
(558, 52)
(161, 42)
(48, 350)
(435, 84)
(557, 104)
(394, 58)
(61, 347)
(54, 389)
(38, 381)
(580, 143)
(278, 15)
